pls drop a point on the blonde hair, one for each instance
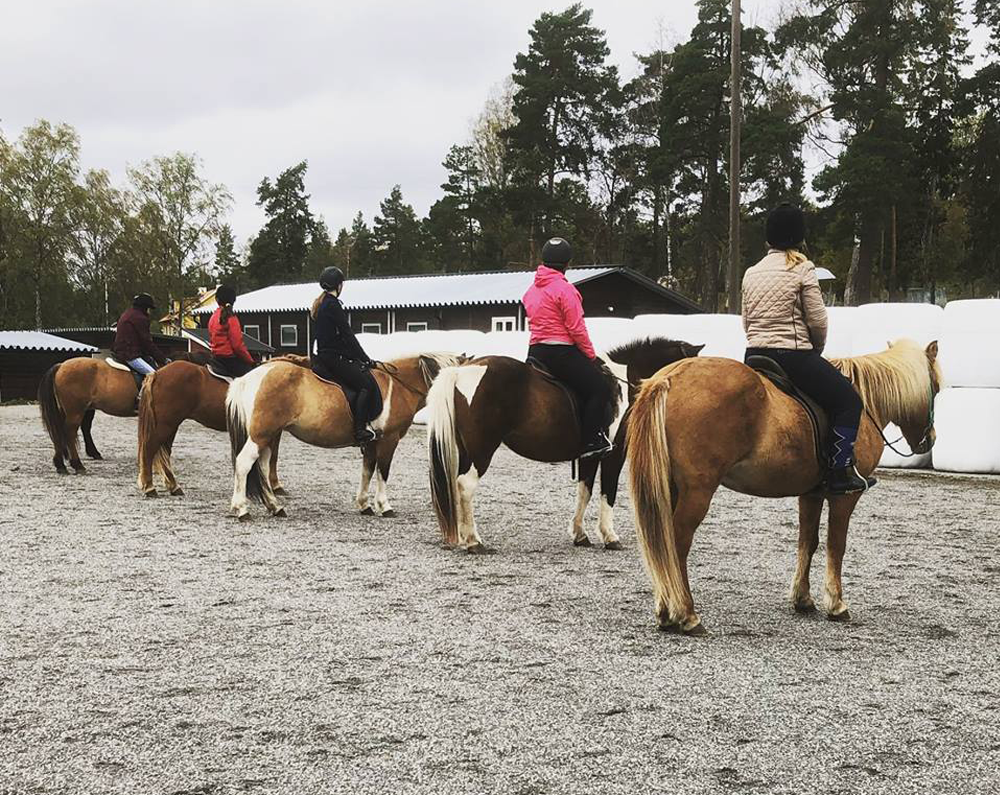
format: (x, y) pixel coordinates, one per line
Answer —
(794, 257)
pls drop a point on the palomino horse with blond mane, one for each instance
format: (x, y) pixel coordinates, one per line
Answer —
(176, 392)
(499, 400)
(69, 395)
(285, 396)
(702, 423)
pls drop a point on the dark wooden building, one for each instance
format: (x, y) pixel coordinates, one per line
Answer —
(102, 337)
(279, 315)
(25, 356)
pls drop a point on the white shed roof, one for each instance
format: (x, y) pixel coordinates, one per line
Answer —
(40, 341)
(405, 291)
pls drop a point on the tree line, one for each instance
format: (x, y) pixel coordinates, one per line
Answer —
(633, 171)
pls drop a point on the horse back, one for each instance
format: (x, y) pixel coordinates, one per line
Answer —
(84, 383)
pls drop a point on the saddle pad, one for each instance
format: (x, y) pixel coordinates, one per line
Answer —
(375, 404)
(227, 378)
(118, 365)
(770, 369)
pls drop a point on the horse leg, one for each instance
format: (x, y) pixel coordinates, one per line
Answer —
(167, 466)
(584, 488)
(689, 510)
(270, 501)
(88, 440)
(368, 459)
(272, 474)
(72, 442)
(810, 512)
(611, 470)
(244, 463)
(841, 508)
(384, 449)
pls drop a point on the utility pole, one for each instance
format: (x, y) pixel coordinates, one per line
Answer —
(735, 115)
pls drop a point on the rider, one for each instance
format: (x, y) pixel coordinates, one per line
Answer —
(132, 337)
(339, 350)
(785, 319)
(560, 341)
(226, 335)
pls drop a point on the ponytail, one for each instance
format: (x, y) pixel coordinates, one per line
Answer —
(227, 312)
(794, 257)
(315, 307)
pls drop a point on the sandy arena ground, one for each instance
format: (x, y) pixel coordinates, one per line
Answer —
(157, 646)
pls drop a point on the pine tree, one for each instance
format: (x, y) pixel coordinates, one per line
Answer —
(396, 235)
(227, 261)
(278, 252)
(462, 186)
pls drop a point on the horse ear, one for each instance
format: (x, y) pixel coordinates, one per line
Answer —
(932, 351)
(696, 349)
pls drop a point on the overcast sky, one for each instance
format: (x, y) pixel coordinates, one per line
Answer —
(370, 92)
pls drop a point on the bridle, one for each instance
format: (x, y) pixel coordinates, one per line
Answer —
(925, 445)
(393, 372)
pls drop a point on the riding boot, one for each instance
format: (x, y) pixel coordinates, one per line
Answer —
(844, 476)
(362, 433)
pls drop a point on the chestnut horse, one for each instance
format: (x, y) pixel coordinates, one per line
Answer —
(703, 423)
(174, 393)
(283, 395)
(499, 400)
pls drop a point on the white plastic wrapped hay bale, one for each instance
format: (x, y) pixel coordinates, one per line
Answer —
(610, 332)
(896, 460)
(968, 430)
(840, 336)
(968, 351)
(506, 343)
(669, 326)
(467, 341)
(722, 335)
(380, 346)
(876, 325)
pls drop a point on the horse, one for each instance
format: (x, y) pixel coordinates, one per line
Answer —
(285, 396)
(498, 400)
(702, 423)
(69, 395)
(178, 391)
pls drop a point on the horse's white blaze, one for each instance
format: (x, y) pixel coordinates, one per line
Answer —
(467, 380)
(466, 487)
(607, 521)
(583, 493)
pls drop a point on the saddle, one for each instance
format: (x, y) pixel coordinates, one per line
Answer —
(573, 397)
(218, 371)
(818, 418)
(375, 401)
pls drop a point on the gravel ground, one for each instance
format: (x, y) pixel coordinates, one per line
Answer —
(157, 646)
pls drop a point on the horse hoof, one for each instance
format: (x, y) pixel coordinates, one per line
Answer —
(697, 631)
(615, 546)
(669, 629)
(805, 607)
(96, 456)
(369, 511)
(244, 517)
(62, 471)
(178, 492)
(389, 514)
(480, 549)
(582, 542)
(281, 512)
(281, 491)
(151, 494)
(840, 618)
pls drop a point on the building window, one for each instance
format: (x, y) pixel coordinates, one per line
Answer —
(289, 336)
(371, 328)
(416, 327)
(252, 331)
(505, 324)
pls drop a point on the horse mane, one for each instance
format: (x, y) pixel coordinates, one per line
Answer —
(895, 384)
(641, 346)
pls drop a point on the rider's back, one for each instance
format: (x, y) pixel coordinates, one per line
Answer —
(783, 305)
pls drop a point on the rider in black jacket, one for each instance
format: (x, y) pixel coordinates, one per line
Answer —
(341, 353)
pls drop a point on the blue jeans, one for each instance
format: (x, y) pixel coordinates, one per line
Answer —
(140, 365)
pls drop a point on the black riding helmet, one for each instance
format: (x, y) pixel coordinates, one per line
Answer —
(225, 295)
(331, 278)
(786, 227)
(557, 251)
(143, 301)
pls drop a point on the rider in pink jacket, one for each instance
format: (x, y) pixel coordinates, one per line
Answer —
(560, 341)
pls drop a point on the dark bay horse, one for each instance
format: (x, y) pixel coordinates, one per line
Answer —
(286, 396)
(498, 400)
(705, 423)
(174, 393)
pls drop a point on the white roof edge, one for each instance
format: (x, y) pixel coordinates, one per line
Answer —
(41, 341)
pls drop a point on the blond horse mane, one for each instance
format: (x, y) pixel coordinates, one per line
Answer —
(895, 385)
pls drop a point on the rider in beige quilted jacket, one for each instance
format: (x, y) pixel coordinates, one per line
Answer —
(785, 319)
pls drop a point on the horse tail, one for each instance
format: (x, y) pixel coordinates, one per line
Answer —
(53, 416)
(652, 501)
(443, 448)
(147, 425)
(239, 408)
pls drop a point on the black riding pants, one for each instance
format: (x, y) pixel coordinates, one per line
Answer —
(353, 375)
(823, 382)
(569, 365)
(234, 365)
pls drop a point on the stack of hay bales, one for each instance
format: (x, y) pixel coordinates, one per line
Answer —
(967, 411)
(722, 335)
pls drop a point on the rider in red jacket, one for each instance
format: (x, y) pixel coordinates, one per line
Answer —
(226, 336)
(560, 341)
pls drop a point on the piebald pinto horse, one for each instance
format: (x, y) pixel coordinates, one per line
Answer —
(285, 396)
(498, 400)
(705, 423)
(174, 393)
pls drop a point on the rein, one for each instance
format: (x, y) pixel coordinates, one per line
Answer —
(393, 372)
(923, 440)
